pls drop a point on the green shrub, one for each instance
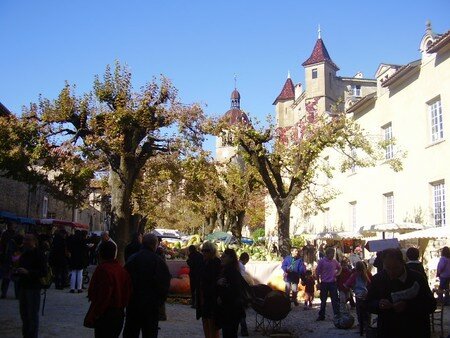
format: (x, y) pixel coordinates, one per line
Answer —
(257, 234)
(298, 241)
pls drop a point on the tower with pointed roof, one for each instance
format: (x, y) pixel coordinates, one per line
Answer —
(322, 89)
(225, 150)
(283, 103)
(320, 75)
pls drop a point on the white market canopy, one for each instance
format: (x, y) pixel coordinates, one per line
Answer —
(329, 235)
(428, 233)
(350, 235)
(401, 227)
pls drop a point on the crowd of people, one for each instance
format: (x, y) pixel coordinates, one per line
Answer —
(131, 297)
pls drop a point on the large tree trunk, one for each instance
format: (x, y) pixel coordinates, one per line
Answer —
(210, 223)
(238, 223)
(121, 190)
(221, 219)
(284, 214)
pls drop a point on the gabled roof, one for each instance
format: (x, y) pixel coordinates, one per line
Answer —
(287, 93)
(319, 54)
(402, 71)
(440, 42)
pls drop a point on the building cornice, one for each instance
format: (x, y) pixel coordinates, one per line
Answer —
(439, 43)
(402, 73)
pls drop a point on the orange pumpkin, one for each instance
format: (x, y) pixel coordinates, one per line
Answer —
(184, 270)
(180, 285)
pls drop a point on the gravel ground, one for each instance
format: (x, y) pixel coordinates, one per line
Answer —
(64, 313)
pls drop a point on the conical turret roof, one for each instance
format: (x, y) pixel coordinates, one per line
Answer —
(288, 91)
(320, 54)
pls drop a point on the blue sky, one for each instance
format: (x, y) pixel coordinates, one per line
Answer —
(200, 45)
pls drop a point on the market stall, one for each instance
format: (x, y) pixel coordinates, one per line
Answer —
(425, 235)
(48, 225)
(393, 228)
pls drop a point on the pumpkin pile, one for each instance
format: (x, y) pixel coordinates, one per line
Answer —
(181, 284)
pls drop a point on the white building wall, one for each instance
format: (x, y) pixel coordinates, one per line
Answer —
(405, 106)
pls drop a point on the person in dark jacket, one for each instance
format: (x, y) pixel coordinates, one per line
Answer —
(378, 262)
(413, 262)
(109, 294)
(401, 298)
(7, 247)
(195, 263)
(58, 259)
(77, 248)
(32, 267)
(150, 279)
(207, 291)
(134, 246)
(229, 295)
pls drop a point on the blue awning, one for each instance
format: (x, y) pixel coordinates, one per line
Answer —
(26, 220)
(8, 215)
(13, 217)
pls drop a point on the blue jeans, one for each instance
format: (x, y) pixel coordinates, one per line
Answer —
(29, 304)
(331, 289)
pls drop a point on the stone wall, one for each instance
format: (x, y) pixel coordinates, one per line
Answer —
(20, 199)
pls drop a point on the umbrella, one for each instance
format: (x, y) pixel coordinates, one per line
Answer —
(428, 233)
(390, 227)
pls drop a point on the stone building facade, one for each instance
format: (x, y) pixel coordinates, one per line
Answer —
(20, 199)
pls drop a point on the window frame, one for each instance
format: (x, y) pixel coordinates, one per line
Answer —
(45, 207)
(356, 90)
(436, 118)
(439, 214)
(353, 214)
(388, 135)
(314, 73)
(389, 207)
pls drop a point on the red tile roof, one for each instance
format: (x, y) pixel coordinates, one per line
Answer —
(287, 93)
(236, 116)
(319, 54)
(440, 42)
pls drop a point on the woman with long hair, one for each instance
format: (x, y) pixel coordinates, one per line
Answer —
(443, 272)
(231, 303)
(207, 291)
(358, 282)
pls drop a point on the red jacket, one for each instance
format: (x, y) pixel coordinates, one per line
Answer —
(110, 287)
(342, 278)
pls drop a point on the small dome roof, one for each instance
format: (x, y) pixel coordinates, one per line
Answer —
(236, 116)
(235, 95)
